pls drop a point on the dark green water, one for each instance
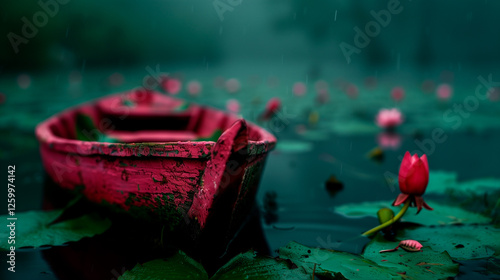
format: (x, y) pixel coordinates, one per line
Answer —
(89, 49)
(304, 212)
(296, 171)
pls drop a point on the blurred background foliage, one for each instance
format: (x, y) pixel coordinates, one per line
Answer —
(127, 32)
(109, 33)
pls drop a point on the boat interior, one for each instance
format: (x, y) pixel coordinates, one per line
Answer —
(144, 116)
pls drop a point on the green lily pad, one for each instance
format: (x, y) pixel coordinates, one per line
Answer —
(464, 242)
(480, 195)
(334, 264)
(291, 146)
(479, 186)
(179, 266)
(249, 266)
(441, 215)
(243, 266)
(427, 264)
(34, 229)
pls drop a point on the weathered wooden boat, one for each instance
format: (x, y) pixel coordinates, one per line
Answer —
(156, 157)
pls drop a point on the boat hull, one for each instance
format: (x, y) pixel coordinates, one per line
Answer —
(189, 186)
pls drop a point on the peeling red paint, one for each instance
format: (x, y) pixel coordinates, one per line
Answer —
(172, 169)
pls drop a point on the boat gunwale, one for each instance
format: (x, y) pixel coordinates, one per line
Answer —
(174, 149)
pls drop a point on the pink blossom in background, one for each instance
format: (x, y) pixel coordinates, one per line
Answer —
(397, 93)
(171, 85)
(444, 91)
(389, 118)
(24, 81)
(352, 91)
(428, 86)
(194, 87)
(272, 106)
(389, 140)
(233, 106)
(299, 89)
(2, 98)
(233, 85)
(116, 79)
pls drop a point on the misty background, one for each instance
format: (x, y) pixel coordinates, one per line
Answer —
(126, 33)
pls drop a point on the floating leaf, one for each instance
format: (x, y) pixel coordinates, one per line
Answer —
(34, 229)
(179, 266)
(249, 266)
(441, 215)
(461, 242)
(376, 154)
(334, 264)
(384, 215)
(479, 186)
(480, 195)
(333, 185)
(430, 263)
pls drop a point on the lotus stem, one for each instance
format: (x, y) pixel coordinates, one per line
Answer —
(391, 221)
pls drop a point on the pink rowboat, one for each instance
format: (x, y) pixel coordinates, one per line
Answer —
(158, 157)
